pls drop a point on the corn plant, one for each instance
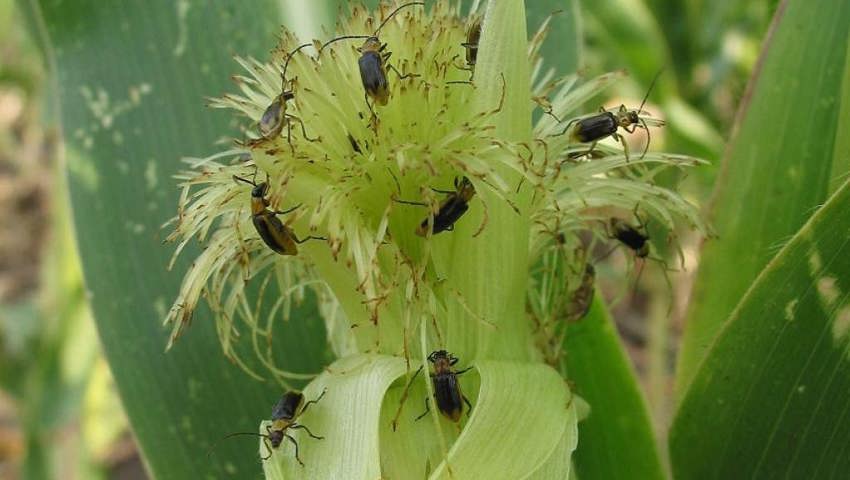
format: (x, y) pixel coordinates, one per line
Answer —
(351, 315)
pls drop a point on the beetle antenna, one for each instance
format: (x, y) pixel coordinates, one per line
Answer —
(344, 37)
(391, 15)
(651, 85)
(253, 434)
(289, 57)
(397, 183)
(237, 179)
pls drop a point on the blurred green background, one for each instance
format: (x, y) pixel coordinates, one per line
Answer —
(59, 414)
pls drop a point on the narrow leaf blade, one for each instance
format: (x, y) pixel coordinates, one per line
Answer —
(132, 80)
(778, 166)
(616, 439)
(770, 400)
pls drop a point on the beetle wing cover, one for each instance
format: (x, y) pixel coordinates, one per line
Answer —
(449, 213)
(374, 77)
(631, 237)
(286, 407)
(271, 123)
(275, 234)
(448, 396)
(596, 127)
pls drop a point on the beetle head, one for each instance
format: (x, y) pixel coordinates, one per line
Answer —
(372, 44)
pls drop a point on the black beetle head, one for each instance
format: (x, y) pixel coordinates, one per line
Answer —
(260, 190)
(276, 437)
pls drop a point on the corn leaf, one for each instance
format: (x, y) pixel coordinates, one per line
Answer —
(770, 400)
(132, 80)
(778, 166)
(616, 438)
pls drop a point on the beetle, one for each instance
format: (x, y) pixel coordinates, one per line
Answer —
(591, 129)
(473, 35)
(272, 231)
(451, 208)
(284, 417)
(630, 236)
(274, 118)
(637, 240)
(373, 62)
(447, 392)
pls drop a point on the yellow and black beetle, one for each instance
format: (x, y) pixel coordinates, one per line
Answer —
(284, 417)
(451, 208)
(592, 128)
(274, 118)
(473, 35)
(632, 237)
(271, 230)
(447, 392)
(373, 62)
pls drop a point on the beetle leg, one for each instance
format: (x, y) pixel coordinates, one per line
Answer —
(366, 97)
(267, 444)
(464, 370)
(427, 409)
(278, 212)
(641, 222)
(268, 448)
(309, 237)
(400, 76)
(296, 448)
(289, 136)
(307, 405)
(593, 145)
(622, 140)
(447, 192)
(407, 202)
(303, 130)
(298, 426)
(468, 405)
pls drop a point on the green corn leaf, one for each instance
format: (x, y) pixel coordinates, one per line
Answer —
(616, 438)
(770, 399)
(132, 80)
(778, 166)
